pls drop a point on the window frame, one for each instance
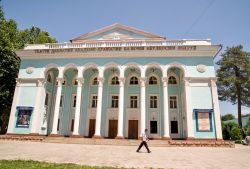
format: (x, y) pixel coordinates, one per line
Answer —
(92, 99)
(177, 106)
(116, 82)
(154, 103)
(111, 101)
(133, 76)
(138, 102)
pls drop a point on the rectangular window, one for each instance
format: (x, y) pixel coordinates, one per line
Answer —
(153, 127)
(58, 124)
(47, 99)
(173, 102)
(133, 102)
(174, 127)
(61, 101)
(153, 101)
(72, 124)
(94, 101)
(114, 101)
(74, 101)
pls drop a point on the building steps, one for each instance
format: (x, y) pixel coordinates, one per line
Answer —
(121, 142)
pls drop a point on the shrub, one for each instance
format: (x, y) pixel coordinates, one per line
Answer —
(226, 130)
(236, 133)
(248, 131)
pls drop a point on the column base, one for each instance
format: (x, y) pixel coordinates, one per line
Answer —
(119, 137)
(97, 137)
(219, 139)
(55, 135)
(190, 138)
(75, 136)
(34, 134)
(166, 138)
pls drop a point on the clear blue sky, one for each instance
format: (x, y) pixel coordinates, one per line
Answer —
(226, 22)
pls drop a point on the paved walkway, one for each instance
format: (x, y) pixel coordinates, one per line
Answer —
(125, 156)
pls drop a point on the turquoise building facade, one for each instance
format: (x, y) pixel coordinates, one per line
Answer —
(116, 82)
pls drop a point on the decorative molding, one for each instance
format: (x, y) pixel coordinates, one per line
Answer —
(201, 68)
(29, 70)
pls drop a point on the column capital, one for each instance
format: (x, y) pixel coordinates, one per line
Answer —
(143, 81)
(100, 80)
(122, 70)
(187, 81)
(213, 82)
(40, 82)
(122, 81)
(80, 81)
(165, 81)
(59, 81)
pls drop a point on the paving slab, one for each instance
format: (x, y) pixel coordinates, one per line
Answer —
(126, 156)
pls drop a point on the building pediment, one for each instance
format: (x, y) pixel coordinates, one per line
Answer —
(117, 32)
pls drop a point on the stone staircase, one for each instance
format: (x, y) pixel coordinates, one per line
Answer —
(121, 142)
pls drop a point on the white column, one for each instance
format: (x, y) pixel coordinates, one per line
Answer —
(13, 108)
(57, 104)
(38, 107)
(216, 110)
(190, 127)
(121, 109)
(143, 104)
(99, 104)
(165, 104)
(78, 106)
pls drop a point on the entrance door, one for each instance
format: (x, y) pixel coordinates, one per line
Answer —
(91, 127)
(113, 124)
(133, 129)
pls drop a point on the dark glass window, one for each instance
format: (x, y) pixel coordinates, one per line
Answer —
(174, 127)
(115, 81)
(95, 81)
(133, 101)
(72, 124)
(94, 101)
(114, 101)
(173, 102)
(133, 80)
(153, 101)
(152, 80)
(172, 80)
(153, 127)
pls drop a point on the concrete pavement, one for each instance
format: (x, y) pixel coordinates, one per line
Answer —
(126, 156)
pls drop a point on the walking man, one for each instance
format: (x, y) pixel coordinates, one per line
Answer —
(144, 141)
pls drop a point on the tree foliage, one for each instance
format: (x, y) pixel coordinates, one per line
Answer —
(11, 39)
(231, 131)
(227, 117)
(234, 77)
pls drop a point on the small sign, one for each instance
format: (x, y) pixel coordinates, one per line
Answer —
(203, 121)
(23, 116)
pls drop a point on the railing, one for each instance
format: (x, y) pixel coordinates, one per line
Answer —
(117, 44)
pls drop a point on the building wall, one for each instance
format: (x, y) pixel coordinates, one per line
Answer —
(197, 92)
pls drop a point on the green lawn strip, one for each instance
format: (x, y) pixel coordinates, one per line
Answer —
(30, 164)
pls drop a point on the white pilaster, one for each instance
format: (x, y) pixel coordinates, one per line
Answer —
(190, 127)
(99, 103)
(57, 104)
(165, 104)
(13, 108)
(38, 108)
(216, 109)
(121, 108)
(143, 104)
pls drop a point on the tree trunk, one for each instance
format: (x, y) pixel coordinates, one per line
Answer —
(239, 106)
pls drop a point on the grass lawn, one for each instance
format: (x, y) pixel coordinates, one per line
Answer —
(29, 164)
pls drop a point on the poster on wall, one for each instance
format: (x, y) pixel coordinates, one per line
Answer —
(203, 121)
(23, 116)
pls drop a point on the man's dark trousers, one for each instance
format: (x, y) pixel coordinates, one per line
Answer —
(145, 144)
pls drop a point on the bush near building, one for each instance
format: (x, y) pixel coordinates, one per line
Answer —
(231, 131)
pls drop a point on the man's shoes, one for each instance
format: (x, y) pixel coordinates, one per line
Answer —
(137, 151)
(149, 151)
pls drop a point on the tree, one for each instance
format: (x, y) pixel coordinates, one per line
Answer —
(234, 78)
(12, 39)
(227, 117)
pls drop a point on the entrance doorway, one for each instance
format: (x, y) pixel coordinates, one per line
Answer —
(133, 129)
(113, 124)
(91, 127)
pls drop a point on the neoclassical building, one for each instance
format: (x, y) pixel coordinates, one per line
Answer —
(115, 82)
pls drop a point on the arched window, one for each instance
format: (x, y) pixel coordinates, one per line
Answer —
(133, 80)
(115, 80)
(95, 81)
(49, 78)
(152, 80)
(75, 81)
(172, 80)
